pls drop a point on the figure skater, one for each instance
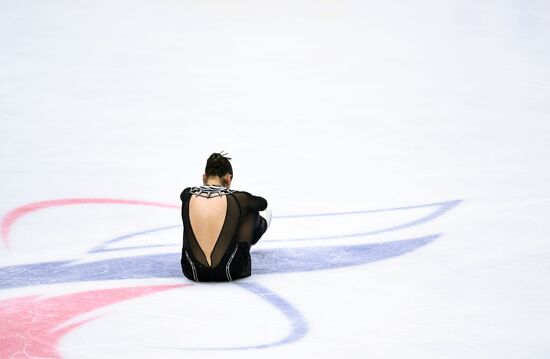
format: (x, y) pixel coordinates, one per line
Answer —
(220, 225)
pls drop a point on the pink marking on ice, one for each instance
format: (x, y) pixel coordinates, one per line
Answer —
(15, 214)
(31, 327)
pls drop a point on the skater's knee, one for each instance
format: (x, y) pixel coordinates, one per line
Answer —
(263, 221)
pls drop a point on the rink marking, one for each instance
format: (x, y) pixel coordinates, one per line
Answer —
(15, 214)
(166, 265)
(38, 324)
(442, 208)
(45, 340)
(298, 323)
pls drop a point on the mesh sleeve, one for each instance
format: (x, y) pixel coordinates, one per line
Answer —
(255, 203)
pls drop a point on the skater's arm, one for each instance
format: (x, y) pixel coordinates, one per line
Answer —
(256, 203)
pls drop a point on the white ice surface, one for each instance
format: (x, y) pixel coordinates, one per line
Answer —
(325, 106)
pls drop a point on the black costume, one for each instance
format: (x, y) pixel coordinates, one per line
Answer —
(242, 227)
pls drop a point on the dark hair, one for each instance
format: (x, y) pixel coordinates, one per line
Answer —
(218, 165)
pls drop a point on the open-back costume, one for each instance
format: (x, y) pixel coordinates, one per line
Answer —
(242, 227)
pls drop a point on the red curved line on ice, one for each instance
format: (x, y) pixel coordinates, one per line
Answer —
(15, 214)
(32, 327)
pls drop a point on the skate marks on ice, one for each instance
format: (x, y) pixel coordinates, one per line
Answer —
(34, 325)
(126, 266)
(166, 265)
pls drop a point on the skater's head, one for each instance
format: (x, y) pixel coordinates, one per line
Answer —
(218, 170)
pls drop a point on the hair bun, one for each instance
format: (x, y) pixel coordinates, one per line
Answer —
(215, 157)
(214, 160)
(218, 164)
(218, 160)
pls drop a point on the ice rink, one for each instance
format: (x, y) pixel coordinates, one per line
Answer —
(404, 147)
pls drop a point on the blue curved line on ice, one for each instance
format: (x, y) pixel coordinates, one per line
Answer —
(298, 324)
(445, 204)
(283, 260)
(443, 207)
(307, 259)
(166, 265)
(102, 246)
(265, 262)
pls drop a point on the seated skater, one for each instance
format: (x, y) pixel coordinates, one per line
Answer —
(220, 225)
